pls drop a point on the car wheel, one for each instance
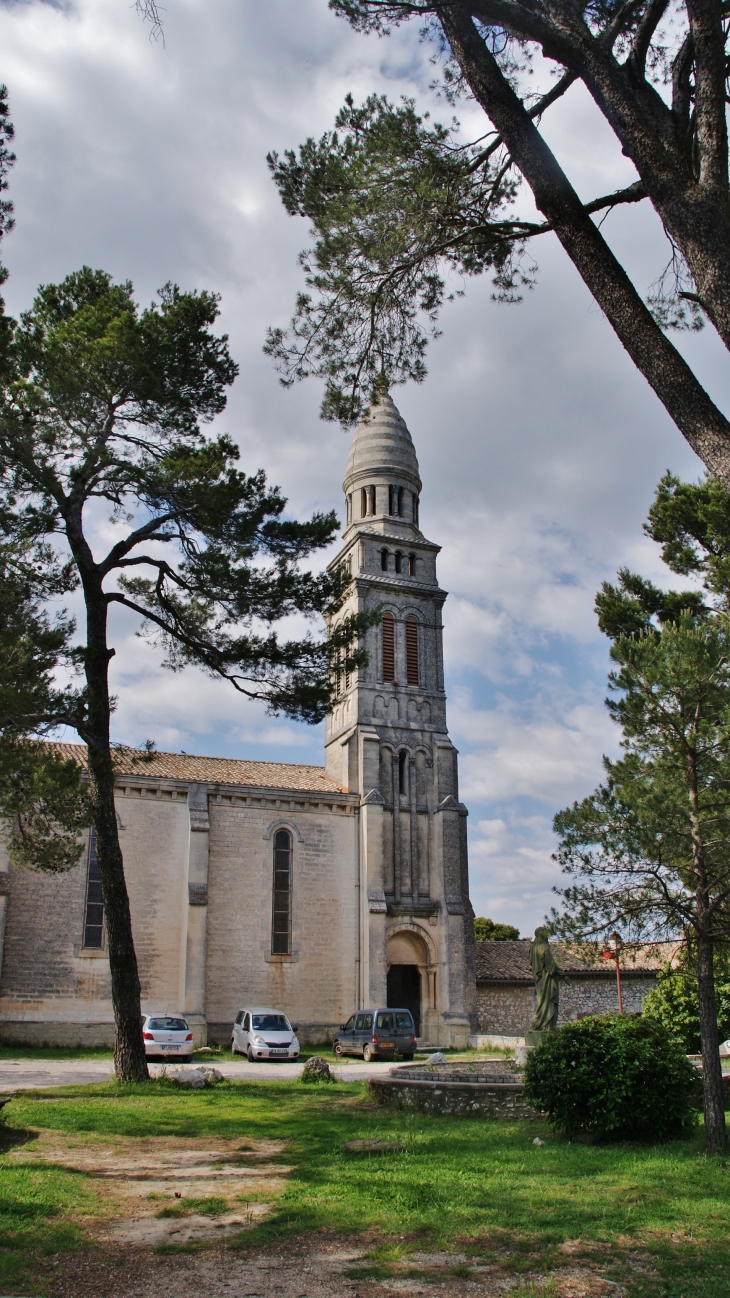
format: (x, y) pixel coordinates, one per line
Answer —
(368, 1054)
(337, 1049)
(249, 1056)
(233, 1046)
(409, 1056)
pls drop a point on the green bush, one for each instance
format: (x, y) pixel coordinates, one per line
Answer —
(615, 1077)
(675, 1003)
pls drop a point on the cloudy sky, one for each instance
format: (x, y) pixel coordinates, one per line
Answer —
(539, 444)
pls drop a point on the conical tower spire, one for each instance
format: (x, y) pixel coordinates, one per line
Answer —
(382, 478)
(387, 739)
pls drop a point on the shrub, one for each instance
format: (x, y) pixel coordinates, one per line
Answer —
(675, 1003)
(615, 1077)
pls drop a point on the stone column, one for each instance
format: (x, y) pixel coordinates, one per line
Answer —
(373, 946)
(197, 912)
(455, 1014)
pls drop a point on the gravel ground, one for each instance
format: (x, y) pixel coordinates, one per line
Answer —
(22, 1074)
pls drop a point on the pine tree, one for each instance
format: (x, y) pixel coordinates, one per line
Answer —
(102, 405)
(648, 849)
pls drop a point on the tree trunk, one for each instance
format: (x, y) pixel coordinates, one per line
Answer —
(715, 1130)
(130, 1062)
(677, 387)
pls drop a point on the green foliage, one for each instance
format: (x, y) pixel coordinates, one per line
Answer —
(615, 1077)
(485, 930)
(674, 1003)
(636, 606)
(44, 805)
(691, 522)
(43, 801)
(633, 843)
(395, 204)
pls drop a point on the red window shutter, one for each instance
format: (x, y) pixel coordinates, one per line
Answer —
(388, 647)
(412, 651)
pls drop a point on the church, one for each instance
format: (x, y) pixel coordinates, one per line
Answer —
(317, 890)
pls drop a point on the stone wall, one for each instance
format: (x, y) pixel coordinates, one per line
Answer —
(317, 984)
(53, 990)
(506, 1009)
(467, 1100)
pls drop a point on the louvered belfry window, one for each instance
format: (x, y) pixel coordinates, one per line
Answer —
(281, 918)
(412, 650)
(388, 647)
(94, 915)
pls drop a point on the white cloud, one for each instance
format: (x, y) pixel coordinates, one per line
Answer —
(550, 751)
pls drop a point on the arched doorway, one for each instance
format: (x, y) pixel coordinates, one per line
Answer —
(407, 979)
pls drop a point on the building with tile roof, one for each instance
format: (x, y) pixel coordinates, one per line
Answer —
(506, 987)
(318, 890)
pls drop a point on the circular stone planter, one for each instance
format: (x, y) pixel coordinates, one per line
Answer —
(488, 1088)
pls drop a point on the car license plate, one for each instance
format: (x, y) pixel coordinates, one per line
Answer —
(387, 1045)
(278, 1052)
(169, 1047)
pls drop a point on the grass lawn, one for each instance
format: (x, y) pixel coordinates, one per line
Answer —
(655, 1219)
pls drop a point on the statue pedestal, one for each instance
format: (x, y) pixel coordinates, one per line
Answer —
(533, 1037)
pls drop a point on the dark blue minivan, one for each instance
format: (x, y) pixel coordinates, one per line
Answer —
(373, 1033)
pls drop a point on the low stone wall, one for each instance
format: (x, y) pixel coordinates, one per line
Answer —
(455, 1090)
(506, 1009)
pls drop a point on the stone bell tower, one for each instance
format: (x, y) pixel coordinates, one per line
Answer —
(386, 739)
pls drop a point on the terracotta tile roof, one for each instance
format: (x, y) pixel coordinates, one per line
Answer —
(510, 961)
(212, 770)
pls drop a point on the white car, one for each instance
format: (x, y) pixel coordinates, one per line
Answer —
(261, 1033)
(167, 1034)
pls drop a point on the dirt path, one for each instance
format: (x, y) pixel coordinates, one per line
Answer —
(306, 1272)
(172, 1214)
(162, 1190)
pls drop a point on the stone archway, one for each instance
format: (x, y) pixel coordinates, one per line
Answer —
(411, 977)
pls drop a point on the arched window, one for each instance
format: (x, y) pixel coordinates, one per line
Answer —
(411, 565)
(384, 560)
(398, 561)
(388, 647)
(94, 914)
(342, 672)
(415, 508)
(399, 510)
(364, 502)
(412, 650)
(391, 499)
(403, 772)
(371, 494)
(281, 909)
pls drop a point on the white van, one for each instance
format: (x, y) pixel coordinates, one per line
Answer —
(261, 1033)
